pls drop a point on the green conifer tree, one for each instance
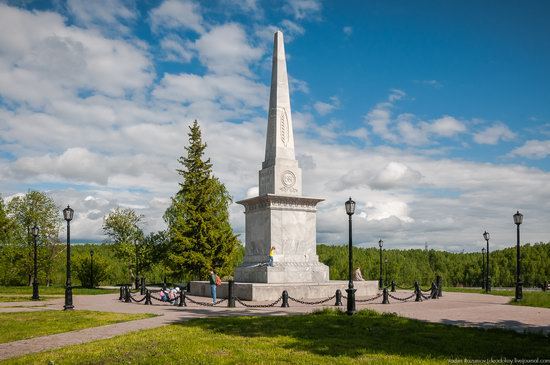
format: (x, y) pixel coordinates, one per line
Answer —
(199, 232)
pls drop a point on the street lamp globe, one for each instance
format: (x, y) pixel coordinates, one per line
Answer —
(483, 250)
(68, 213)
(518, 218)
(380, 243)
(486, 236)
(350, 206)
(35, 230)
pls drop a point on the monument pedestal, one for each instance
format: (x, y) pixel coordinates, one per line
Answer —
(270, 292)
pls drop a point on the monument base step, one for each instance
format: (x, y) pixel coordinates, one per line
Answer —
(264, 292)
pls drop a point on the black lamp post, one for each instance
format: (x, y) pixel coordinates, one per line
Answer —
(386, 268)
(518, 219)
(35, 231)
(488, 271)
(483, 269)
(380, 244)
(350, 209)
(68, 214)
(137, 263)
(91, 268)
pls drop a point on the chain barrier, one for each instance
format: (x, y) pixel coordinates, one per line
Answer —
(403, 288)
(311, 303)
(368, 300)
(425, 296)
(171, 301)
(187, 297)
(402, 299)
(136, 300)
(259, 305)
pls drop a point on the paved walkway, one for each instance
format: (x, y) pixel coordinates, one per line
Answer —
(472, 310)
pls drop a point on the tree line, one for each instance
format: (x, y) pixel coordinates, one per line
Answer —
(456, 269)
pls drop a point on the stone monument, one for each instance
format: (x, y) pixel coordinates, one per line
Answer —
(280, 216)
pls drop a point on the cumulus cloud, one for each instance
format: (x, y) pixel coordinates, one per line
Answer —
(534, 149)
(104, 15)
(304, 9)
(323, 108)
(47, 59)
(226, 49)
(177, 15)
(394, 175)
(348, 30)
(493, 134)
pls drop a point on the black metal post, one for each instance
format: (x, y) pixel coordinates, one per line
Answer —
(230, 294)
(35, 271)
(338, 298)
(393, 286)
(142, 287)
(91, 268)
(385, 299)
(380, 284)
(350, 290)
(519, 283)
(488, 271)
(121, 296)
(137, 268)
(148, 298)
(68, 214)
(182, 302)
(439, 284)
(386, 265)
(285, 299)
(483, 278)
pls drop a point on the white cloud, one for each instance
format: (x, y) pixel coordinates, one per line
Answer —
(104, 15)
(176, 49)
(532, 149)
(44, 59)
(446, 127)
(304, 9)
(177, 14)
(323, 108)
(494, 134)
(348, 30)
(394, 175)
(225, 49)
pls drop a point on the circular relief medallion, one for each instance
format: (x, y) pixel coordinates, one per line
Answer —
(288, 179)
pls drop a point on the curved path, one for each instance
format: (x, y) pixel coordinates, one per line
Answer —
(462, 309)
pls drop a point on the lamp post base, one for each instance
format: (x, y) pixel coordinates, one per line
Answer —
(35, 291)
(68, 299)
(488, 285)
(351, 301)
(519, 291)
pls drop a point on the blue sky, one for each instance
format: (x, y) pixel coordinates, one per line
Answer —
(433, 116)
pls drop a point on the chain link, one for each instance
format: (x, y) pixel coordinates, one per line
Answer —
(425, 296)
(368, 300)
(136, 300)
(203, 303)
(165, 301)
(402, 299)
(311, 303)
(259, 305)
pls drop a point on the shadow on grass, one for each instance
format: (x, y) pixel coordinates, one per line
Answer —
(333, 333)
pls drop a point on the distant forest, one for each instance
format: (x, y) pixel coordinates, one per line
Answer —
(404, 266)
(456, 269)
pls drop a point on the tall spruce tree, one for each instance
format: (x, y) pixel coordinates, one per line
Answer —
(199, 232)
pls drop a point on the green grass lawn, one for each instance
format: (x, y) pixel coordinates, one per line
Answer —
(23, 325)
(328, 337)
(53, 290)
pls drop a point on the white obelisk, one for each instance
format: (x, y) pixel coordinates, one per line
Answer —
(280, 216)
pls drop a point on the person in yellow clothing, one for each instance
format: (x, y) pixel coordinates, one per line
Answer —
(271, 254)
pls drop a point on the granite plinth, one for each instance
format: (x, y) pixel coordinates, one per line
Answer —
(271, 292)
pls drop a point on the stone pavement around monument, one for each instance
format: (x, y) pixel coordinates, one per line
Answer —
(462, 309)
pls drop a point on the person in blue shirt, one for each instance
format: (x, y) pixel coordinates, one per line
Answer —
(213, 285)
